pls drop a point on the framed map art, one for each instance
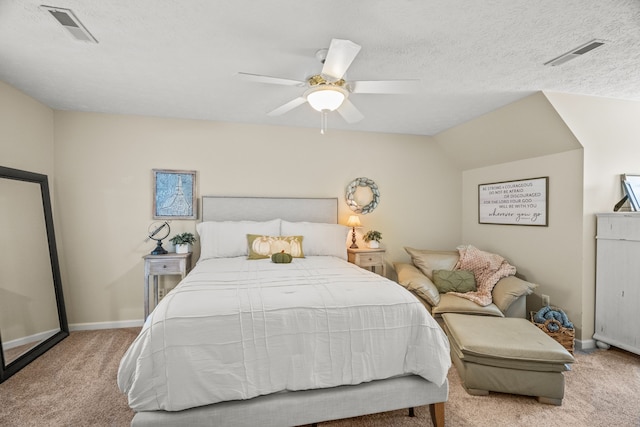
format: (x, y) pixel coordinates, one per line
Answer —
(174, 194)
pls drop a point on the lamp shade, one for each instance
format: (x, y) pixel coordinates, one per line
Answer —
(354, 221)
(325, 98)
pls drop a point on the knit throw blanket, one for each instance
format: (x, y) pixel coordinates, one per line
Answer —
(487, 269)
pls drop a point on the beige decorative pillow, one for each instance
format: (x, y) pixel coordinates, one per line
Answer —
(428, 260)
(261, 247)
(508, 289)
(413, 279)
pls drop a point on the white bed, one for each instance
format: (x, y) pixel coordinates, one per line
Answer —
(243, 342)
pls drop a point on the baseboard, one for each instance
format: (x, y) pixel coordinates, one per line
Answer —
(31, 339)
(585, 344)
(105, 325)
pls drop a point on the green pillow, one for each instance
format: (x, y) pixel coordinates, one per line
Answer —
(454, 281)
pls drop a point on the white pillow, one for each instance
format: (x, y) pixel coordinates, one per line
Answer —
(319, 238)
(226, 239)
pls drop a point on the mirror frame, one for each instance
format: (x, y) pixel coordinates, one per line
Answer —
(24, 359)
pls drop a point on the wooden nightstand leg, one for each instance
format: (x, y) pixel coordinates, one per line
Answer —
(155, 291)
(146, 296)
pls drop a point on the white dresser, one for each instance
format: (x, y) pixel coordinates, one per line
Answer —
(618, 281)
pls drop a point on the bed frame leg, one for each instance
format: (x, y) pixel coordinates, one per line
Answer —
(411, 413)
(437, 414)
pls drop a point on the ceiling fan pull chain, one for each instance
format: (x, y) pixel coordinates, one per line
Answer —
(323, 121)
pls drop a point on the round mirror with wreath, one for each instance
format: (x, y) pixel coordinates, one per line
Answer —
(362, 195)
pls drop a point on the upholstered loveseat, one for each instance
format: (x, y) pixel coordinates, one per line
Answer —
(490, 354)
(508, 295)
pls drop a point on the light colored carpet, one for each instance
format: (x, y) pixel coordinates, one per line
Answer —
(74, 384)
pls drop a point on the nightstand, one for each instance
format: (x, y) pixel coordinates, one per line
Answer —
(162, 265)
(370, 259)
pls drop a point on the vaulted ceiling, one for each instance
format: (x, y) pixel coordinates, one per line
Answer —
(181, 58)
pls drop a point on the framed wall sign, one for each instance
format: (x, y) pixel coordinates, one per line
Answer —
(174, 194)
(631, 188)
(521, 202)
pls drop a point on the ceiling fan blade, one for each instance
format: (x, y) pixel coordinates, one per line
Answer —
(339, 57)
(349, 112)
(271, 80)
(288, 106)
(385, 86)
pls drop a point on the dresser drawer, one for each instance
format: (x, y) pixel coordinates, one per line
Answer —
(160, 266)
(619, 226)
(369, 260)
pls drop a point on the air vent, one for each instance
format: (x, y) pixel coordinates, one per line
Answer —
(68, 20)
(580, 50)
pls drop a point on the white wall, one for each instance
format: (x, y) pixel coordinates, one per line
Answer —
(524, 129)
(104, 165)
(103, 185)
(527, 139)
(594, 140)
(26, 132)
(549, 256)
(609, 129)
(26, 143)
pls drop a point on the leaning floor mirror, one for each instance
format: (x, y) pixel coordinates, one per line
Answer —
(32, 314)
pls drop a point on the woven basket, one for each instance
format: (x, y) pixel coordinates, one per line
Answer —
(565, 336)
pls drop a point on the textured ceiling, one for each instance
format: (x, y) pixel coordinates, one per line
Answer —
(180, 58)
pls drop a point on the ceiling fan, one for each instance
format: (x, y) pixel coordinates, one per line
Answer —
(329, 91)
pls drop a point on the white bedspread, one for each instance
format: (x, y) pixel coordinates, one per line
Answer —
(236, 328)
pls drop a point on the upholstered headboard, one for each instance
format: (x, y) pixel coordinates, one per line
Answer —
(221, 208)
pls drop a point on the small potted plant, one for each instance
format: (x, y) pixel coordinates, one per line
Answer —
(183, 242)
(372, 237)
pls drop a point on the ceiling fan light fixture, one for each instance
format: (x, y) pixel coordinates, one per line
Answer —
(325, 97)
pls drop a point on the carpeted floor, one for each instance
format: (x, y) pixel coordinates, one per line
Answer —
(74, 384)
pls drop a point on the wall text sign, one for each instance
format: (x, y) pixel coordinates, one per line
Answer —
(521, 202)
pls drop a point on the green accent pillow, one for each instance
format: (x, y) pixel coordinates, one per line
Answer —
(281, 258)
(454, 281)
(261, 247)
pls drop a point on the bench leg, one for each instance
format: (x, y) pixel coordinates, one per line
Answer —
(476, 391)
(437, 414)
(550, 401)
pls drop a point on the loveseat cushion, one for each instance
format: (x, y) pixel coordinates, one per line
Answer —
(454, 281)
(411, 278)
(508, 289)
(454, 304)
(427, 260)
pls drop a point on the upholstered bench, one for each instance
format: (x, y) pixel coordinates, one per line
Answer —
(507, 355)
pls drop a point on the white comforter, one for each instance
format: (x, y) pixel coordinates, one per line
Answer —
(236, 328)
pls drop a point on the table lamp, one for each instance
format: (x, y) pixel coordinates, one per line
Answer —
(353, 222)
